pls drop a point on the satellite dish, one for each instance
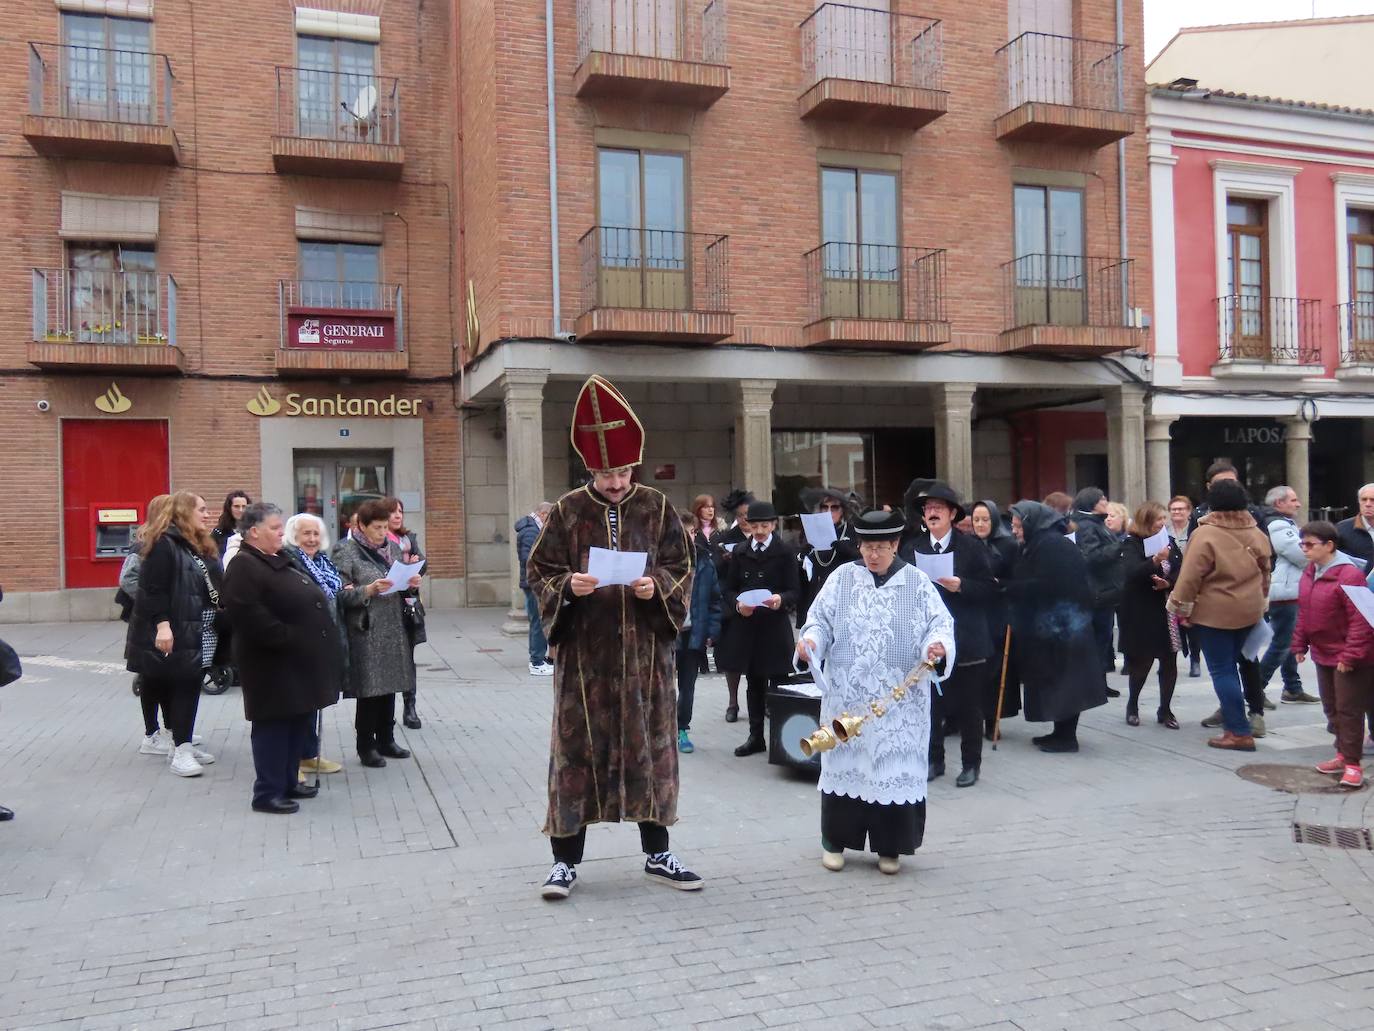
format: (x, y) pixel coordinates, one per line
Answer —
(364, 107)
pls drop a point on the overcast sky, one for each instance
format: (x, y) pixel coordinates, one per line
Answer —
(1165, 17)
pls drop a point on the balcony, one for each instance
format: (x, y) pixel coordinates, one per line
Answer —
(100, 105)
(654, 284)
(664, 51)
(345, 328)
(1061, 90)
(338, 124)
(1356, 320)
(1069, 305)
(876, 296)
(97, 320)
(1262, 336)
(872, 67)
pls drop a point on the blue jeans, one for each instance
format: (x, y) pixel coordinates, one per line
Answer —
(539, 645)
(1221, 650)
(1283, 618)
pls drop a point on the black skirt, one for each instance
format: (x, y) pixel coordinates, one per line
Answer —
(893, 829)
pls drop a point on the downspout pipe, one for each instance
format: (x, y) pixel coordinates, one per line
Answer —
(553, 161)
(1126, 313)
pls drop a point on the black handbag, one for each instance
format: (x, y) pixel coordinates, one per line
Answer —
(10, 667)
(413, 611)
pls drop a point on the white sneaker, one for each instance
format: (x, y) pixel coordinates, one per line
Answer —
(157, 743)
(184, 762)
(542, 669)
(204, 758)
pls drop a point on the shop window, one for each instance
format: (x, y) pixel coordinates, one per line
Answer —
(340, 275)
(644, 250)
(1049, 261)
(112, 292)
(107, 68)
(861, 258)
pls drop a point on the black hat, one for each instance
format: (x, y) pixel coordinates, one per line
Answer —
(761, 512)
(878, 525)
(733, 500)
(812, 496)
(939, 490)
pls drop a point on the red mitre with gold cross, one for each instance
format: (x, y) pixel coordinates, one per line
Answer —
(605, 432)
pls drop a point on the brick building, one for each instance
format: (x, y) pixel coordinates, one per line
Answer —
(228, 264)
(810, 241)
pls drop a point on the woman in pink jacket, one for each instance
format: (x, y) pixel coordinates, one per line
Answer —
(1342, 645)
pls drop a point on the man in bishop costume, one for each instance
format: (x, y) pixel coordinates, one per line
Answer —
(873, 622)
(613, 755)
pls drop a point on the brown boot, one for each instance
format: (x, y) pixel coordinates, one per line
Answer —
(1234, 742)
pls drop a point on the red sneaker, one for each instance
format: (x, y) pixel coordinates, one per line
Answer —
(1353, 778)
(1336, 765)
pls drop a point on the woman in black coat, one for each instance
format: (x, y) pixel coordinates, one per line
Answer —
(1050, 603)
(758, 641)
(1002, 553)
(289, 655)
(175, 626)
(1146, 634)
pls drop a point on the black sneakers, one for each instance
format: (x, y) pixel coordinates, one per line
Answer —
(665, 868)
(560, 883)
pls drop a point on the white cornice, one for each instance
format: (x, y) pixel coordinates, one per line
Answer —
(1227, 165)
(1294, 128)
(1352, 178)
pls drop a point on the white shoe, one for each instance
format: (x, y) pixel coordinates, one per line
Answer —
(184, 762)
(157, 743)
(832, 860)
(204, 758)
(542, 669)
(889, 864)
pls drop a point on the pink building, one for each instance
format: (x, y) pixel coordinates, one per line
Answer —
(1263, 235)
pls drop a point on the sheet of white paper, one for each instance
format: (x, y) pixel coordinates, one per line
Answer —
(817, 677)
(1072, 536)
(806, 690)
(1257, 641)
(807, 567)
(615, 567)
(820, 530)
(1363, 598)
(1159, 542)
(755, 598)
(731, 547)
(399, 574)
(937, 567)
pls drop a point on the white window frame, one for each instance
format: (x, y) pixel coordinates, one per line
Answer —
(1275, 185)
(1352, 190)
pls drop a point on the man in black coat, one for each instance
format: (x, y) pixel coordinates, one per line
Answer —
(969, 595)
(1357, 532)
(737, 503)
(288, 651)
(1101, 549)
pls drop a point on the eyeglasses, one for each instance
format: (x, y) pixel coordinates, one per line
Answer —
(833, 508)
(1305, 545)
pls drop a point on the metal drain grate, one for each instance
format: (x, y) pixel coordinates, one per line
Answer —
(1333, 837)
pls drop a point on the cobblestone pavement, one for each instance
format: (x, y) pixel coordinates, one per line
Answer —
(1138, 884)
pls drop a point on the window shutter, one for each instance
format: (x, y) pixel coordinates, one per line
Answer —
(338, 226)
(142, 9)
(93, 216)
(311, 21)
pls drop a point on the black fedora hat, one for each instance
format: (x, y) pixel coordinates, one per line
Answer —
(733, 500)
(761, 512)
(939, 490)
(878, 525)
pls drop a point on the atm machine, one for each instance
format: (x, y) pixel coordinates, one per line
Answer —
(112, 530)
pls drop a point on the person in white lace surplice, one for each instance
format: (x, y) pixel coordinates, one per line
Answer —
(872, 623)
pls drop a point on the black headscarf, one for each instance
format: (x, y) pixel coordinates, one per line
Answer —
(1037, 518)
(999, 528)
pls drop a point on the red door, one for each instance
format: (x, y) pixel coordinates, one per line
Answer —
(108, 465)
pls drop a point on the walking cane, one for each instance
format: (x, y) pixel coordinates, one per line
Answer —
(1001, 690)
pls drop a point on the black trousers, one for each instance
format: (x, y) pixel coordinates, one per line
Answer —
(1250, 682)
(277, 746)
(152, 696)
(756, 697)
(653, 838)
(180, 700)
(375, 721)
(962, 700)
(689, 662)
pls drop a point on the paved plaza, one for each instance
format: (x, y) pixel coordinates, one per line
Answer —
(1139, 884)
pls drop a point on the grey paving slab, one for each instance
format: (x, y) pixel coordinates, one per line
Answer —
(1138, 884)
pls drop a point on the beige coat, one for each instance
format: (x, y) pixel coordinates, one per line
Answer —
(1224, 582)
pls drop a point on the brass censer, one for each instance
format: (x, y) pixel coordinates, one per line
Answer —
(844, 727)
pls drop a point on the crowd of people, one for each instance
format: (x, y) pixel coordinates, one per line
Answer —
(302, 624)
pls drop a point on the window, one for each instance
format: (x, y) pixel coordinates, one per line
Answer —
(112, 292)
(337, 91)
(861, 259)
(1247, 279)
(1359, 228)
(107, 69)
(645, 251)
(1048, 266)
(811, 459)
(340, 275)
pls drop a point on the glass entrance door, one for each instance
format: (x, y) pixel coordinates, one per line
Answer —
(332, 484)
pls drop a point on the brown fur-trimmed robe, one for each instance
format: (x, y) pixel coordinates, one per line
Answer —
(613, 754)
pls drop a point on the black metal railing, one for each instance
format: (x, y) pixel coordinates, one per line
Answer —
(104, 306)
(841, 41)
(1356, 319)
(659, 269)
(1037, 67)
(133, 86)
(1068, 290)
(677, 30)
(875, 281)
(1253, 327)
(345, 106)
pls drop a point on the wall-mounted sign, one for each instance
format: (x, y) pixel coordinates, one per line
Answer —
(1254, 434)
(340, 331)
(116, 515)
(263, 404)
(665, 472)
(113, 401)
